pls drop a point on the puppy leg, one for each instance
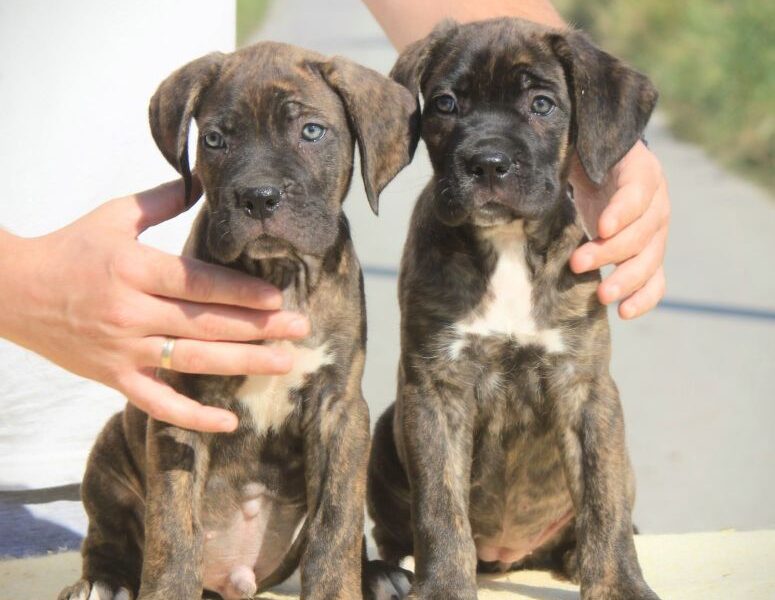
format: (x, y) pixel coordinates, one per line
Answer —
(336, 450)
(597, 467)
(438, 432)
(176, 468)
(387, 493)
(112, 495)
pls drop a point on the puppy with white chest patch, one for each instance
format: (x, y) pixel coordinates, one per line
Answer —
(174, 513)
(505, 448)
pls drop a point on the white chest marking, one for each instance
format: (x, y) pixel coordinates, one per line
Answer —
(507, 306)
(266, 396)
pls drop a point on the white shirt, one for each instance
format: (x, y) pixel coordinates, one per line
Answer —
(75, 81)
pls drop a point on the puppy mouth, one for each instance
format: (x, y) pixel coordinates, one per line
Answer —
(462, 200)
(231, 237)
(480, 207)
(492, 213)
(266, 246)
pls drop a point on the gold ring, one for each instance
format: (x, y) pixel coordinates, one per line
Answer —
(166, 353)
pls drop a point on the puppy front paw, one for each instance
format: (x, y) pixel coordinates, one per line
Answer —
(382, 581)
(97, 590)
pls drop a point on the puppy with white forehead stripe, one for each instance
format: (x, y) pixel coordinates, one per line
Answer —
(505, 447)
(175, 513)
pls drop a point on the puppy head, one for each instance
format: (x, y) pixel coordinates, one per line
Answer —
(277, 127)
(506, 101)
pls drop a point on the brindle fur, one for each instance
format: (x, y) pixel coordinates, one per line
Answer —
(494, 435)
(151, 489)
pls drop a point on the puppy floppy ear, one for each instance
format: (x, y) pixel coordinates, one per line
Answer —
(383, 116)
(174, 105)
(612, 102)
(410, 66)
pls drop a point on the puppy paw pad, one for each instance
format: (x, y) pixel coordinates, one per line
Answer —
(99, 590)
(102, 591)
(387, 583)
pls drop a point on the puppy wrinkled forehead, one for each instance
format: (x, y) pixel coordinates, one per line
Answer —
(502, 53)
(271, 76)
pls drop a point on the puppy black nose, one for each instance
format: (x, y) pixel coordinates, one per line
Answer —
(259, 202)
(488, 166)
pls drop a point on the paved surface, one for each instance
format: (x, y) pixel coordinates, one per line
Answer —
(695, 383)
(700, 566)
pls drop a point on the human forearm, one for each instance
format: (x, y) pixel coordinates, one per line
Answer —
(95, 301)
(12, 258)
(405, 21)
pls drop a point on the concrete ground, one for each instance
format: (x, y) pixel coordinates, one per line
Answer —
(699, 566)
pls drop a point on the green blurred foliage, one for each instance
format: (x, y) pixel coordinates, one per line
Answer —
(713, 62)
(250, 15)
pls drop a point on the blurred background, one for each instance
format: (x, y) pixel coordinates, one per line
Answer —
(695, 374)
(712, 61)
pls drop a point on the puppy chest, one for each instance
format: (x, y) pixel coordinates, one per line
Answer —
(506, 310)
(268, 397)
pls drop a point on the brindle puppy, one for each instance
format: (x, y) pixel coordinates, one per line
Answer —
(506, 442)
(173, 512)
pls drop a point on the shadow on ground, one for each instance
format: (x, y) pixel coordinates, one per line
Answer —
(23, 533)
(528, 591)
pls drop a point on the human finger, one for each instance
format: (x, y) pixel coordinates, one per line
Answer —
(181, 319)
(162, 403)
(215, 358)
(644, 299)
(627, 205)
(632, 274)
(144, 209)
(183, 278)
(624, 245)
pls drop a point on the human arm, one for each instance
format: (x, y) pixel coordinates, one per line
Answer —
(94, 300)
(629, 212)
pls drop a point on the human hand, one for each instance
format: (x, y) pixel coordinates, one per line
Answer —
(631, 230)
(94, 300)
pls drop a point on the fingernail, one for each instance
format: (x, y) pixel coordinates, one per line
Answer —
(609, 226)
(612, 292)
(298, 327)
(627, 311)
(584, 262)
(282, 362)
(228, 423)
(272, 298)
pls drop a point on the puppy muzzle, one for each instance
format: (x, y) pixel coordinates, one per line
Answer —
(258, 219)
(488, 185)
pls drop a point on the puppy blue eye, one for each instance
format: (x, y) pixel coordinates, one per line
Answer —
(213, 139)
(542, 105)
(445, 103)
(312, 132)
